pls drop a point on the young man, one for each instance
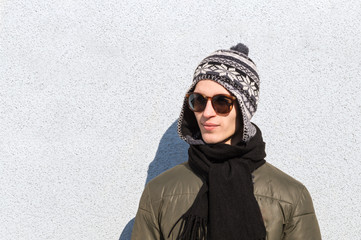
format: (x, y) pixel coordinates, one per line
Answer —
(226, 190)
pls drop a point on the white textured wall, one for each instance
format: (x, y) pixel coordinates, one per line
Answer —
(90, 91)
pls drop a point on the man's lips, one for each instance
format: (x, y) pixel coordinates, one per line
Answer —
(209, 126)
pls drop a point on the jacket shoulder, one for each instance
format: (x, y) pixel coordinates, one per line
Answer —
(178, 180)
(270, 181)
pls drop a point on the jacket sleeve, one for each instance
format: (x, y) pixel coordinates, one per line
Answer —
(145, 225)
(303, 223)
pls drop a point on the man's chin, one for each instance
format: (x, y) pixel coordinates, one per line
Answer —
(207, 138)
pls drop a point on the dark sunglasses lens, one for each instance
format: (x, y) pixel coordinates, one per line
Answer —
(222, 104)
(197, 102)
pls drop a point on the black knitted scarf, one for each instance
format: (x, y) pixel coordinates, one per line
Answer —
(225, 207)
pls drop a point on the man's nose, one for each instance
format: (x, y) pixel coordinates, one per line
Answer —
(209, 110)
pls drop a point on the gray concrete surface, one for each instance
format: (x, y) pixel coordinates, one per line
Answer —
(90, 91)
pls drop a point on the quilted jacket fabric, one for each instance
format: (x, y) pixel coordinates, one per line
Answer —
(285, 203)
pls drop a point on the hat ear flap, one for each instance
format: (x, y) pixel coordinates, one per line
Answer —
(189, 125)
(238, 135)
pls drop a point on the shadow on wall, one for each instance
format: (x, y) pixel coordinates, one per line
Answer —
(171, 152)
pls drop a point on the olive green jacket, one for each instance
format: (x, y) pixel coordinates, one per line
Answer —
(286, 205)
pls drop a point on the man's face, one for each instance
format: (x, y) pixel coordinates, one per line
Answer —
(215, 128)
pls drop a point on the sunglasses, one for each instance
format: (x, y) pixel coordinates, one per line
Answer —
(221, 103)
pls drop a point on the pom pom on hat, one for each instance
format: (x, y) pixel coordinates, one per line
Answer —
(240, 47)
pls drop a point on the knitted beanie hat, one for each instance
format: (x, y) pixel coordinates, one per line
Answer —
(237, 73)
